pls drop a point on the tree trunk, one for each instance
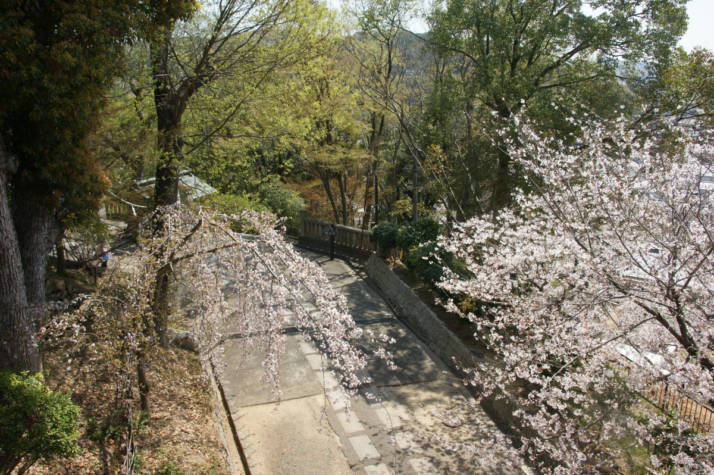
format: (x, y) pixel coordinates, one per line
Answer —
(61, 261)
(169, 110)
(17, 350)
(37, 231)
(501, 185)
(415, 191)
(376, 196)
(374, 143)
(170, 106)
(367, 185)
(170, 142)
(342, 183)
(325, 179)
(160, 305)
(143, 384)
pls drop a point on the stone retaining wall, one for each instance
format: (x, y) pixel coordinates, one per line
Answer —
(431, 330)
(419, 317)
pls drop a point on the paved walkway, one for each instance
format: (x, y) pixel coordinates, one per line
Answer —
(421, 422)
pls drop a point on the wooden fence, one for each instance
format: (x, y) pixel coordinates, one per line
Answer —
(117, 208)
(680, 406)
(349, 242)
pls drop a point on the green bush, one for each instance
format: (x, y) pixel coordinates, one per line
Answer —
(283, 202)
(227, 203)
(427, 262)
(35, 422)
(233, 204)
(271, 197)
(402, 210)
(386, 235)
(419, 232)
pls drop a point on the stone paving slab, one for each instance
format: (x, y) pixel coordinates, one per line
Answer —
(243, 373)
(245, 356)
(409, 355)
(290, 437)
(362, 302)
(444, 416)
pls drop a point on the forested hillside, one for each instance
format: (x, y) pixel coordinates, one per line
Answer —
(543, 165)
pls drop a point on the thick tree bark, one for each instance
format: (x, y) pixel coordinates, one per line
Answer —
(170, 140)
(37, 230)
(170, 106)
(17, 349)
(160, 305)
(166, 192)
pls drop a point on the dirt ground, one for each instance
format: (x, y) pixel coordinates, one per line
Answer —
(180, 438)
(181, 435)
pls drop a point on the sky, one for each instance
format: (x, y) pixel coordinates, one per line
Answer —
(700, 32)
(701, 25)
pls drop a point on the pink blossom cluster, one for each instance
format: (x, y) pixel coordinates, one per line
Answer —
(254, 285)
(592, 287)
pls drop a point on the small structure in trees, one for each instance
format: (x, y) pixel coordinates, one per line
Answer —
(190, 187)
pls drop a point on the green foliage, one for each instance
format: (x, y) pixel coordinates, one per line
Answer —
(233, 204)
(35, 422)
(680, 90)
(424, 258)
(493, 35)
(402, 210)
(125, 141)
(498, 58)
(419, 232)
(57, 60)
(282, 201)
(247, 52)
(386, 235)
(272, 197)
(427, 262)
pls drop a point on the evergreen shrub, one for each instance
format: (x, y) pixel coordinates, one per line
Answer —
(421, 231)
(35, 422)
(386, 235)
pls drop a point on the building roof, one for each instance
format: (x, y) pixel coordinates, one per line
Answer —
(190, 186)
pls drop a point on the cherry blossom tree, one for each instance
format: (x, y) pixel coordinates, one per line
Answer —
(596, 285)
(252, 284)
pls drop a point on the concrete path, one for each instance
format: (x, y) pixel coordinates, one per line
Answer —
(415, 420)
